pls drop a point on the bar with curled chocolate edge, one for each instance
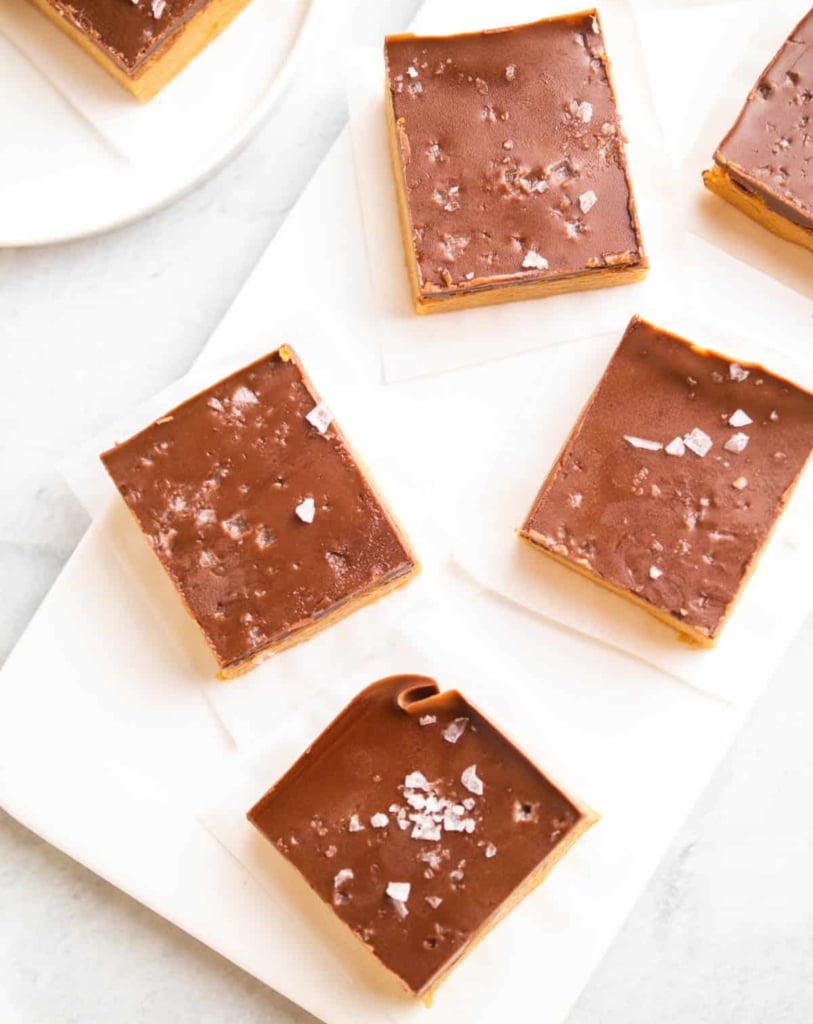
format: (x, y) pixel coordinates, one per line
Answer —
(671, 482)
(419, 824)
(762, 167)
(143, 44)
(509, 164)
(260, 512)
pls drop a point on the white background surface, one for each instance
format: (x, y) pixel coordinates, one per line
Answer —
(725, 930)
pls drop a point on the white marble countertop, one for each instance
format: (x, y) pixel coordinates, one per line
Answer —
(724, 931)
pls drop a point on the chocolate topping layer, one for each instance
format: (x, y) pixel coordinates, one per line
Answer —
(128, 32)
(671, 482)
(416, 820)
(261, 516)
(769, 151)
(512, 154)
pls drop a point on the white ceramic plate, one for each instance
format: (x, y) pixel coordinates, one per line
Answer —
(81, 156)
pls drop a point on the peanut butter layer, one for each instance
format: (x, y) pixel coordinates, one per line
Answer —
(259, 511)
(510, 155)
(418, 823)
(674, 477)
(128, 32)
(769, 150)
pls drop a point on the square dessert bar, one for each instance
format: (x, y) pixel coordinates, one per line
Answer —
(509, 163)
(419, 824)
(673, 478)
(260, 512)
(142, 43)
(763, 166)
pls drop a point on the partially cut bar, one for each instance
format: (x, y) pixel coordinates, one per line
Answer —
(763, 166)
(260, 512)
(419, 824)
(673, 479)
(509, 164)
(143, 44)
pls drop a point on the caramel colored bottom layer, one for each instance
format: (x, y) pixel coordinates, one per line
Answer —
(340, 611)
(606, 277)
(689, 635)
(447, 302)
(186, 44)
(718, 181)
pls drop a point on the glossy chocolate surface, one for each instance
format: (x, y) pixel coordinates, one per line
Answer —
(679, 531)
(512, 154)
(770, 148)
(264, 523)
(128, 33)
(413, 786)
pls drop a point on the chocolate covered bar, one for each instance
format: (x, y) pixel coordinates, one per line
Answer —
(762, 166)
(509, 164)
(673, 479)
(141, 43)
(419, 824)
(260, 512)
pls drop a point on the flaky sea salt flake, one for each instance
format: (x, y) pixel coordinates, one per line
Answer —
(738, 373)
(470, 780)
(698, 441)
(655, 573)
(533, 261)
(379, 820)
(587, 200)
(427, 720)
(306, 510)
(739, 418)
(454, 730)
(641, 442)
(244, 396)
(345, 875)
(417, 780)
(676, 447)
(398, 891)
(320, 417)
(737, 443)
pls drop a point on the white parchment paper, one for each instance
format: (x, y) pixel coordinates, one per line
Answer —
(411, 345)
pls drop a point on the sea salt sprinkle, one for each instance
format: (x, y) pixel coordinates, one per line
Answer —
(379, 820)
(740, 418)
(737, 443)
(676, 447)
(345, 875)
(641, 442)
(738, 373)
(399, 891)
(320, 417)
(454, 730)
(470, 780)
(427, 720)
(587, 200)
(655, 573)
(698, 441)
(533, 261)
(306, 510)
(244, 396)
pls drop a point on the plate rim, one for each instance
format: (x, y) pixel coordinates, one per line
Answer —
(232, 142)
